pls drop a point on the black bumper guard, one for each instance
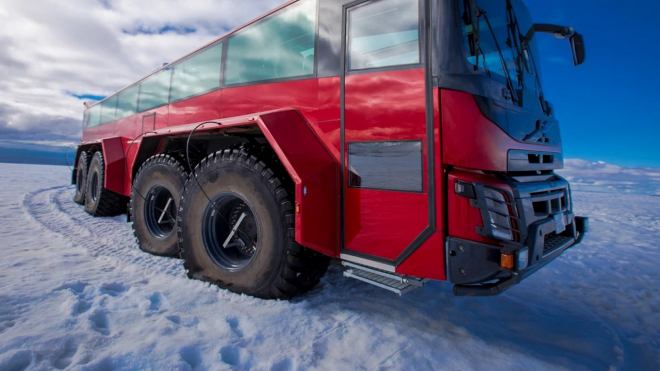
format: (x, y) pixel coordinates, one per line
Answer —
(471, 261)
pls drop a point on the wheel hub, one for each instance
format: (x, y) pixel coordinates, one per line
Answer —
(230, 231)
(160, 212)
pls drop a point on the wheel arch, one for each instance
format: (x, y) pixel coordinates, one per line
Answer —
(309, 164)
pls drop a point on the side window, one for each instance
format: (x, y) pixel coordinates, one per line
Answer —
(94, 116)
(197, 74)
(279, 46)
(383, 34)
(108, 109)
(395, 166)
(127, 104)
(155, 90)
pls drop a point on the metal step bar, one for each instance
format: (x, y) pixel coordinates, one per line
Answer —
(395, 282)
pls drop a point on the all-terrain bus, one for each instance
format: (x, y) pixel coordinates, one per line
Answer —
(408, 139)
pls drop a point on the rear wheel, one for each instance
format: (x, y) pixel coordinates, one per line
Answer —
(98, 200)
(154, 202)
(81, 177)
(241, 237)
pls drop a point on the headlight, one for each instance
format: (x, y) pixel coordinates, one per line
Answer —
(498, 214)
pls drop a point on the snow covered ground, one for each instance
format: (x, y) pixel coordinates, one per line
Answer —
(76, 293)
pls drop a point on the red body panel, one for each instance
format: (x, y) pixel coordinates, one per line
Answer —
(385, 106)
(316, 174)
(115, 164)
(197, 109)
(462, 217)
(471, 140)
(429, 260)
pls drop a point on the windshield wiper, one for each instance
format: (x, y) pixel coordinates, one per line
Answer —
(514, 40)
(475, 48)
(509, 83)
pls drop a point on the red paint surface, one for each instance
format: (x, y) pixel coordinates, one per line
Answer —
(428, 261)
(113, 156)
(384, 106)
(198, 109)
(463, 218)
(312, 167)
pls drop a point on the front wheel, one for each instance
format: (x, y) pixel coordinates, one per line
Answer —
(236, 229)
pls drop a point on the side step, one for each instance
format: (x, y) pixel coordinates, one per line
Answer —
(397, 283)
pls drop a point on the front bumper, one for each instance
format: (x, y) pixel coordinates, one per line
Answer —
(475, 268)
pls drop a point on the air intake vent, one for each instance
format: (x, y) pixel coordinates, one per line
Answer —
(521, 161)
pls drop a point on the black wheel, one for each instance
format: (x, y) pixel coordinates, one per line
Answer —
(154, 203)
(81, 177)
(98, 200)
(242, 236)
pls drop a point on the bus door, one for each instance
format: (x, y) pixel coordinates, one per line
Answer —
(384, 131)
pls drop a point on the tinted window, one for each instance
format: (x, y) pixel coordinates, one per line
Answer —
(393, 166)
(94, 115)
(155, 90)
(279, 46)
(108, 109)
(127, 104)
(197, 74)
(383, 33)
(86, 119)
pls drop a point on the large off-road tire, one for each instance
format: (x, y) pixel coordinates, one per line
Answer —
(81, 177)
(98, 200)
(154, 203)
(262, 258)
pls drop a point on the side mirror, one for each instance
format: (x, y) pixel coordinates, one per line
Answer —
(577, 48)
(560, 32)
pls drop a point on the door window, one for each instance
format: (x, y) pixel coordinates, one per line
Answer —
(383, 33)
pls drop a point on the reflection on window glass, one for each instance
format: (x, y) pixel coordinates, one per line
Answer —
(155, 90)
(516, 58)
(395, 166)
(197, 74)
(279, 46)
(108, 109)
(384, 33)
(127, 104)
(94, 115)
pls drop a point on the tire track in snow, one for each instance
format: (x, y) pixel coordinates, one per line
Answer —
(54, 209)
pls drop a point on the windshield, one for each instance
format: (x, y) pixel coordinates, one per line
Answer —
(509, 21)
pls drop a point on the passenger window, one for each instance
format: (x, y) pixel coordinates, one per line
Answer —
(383, 34)
(127, 104)
(155, 90)
(279, 46)
(197, 74)
(108, 109)
(94, 116)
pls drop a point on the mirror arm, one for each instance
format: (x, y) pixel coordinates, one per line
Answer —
(549, 28)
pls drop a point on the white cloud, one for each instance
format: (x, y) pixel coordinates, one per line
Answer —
(48, 48)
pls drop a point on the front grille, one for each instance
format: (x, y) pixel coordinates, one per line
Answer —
(554, 241)
(549, 202)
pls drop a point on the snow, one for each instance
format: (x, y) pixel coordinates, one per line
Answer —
(76, 293)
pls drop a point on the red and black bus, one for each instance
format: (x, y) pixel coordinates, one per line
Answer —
(409, 139)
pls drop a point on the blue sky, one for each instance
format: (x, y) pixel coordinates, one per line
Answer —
(55, 53)
(609, 107)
